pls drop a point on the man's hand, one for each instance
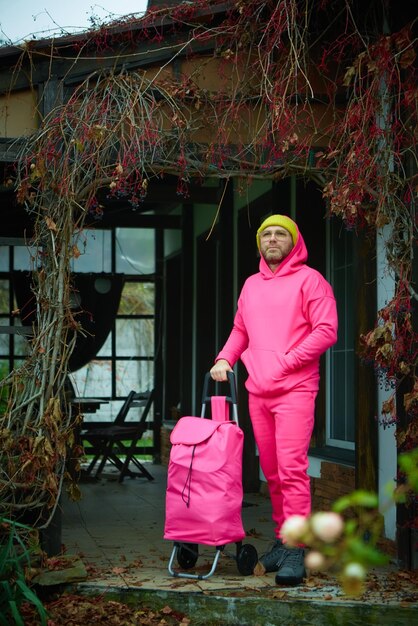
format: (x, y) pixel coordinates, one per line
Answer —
(220, 369)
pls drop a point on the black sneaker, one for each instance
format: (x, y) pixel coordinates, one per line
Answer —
(291, 569)
(271, 559)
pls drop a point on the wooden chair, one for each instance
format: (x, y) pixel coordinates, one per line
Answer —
(117, 442)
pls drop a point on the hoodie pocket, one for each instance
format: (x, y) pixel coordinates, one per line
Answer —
(282, 368)
(264, 367)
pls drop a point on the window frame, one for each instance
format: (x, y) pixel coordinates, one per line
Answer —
(330, 441)
(13, 357)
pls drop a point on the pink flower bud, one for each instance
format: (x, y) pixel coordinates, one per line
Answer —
(355, 570)
(327, 526)
(352, 579)
(294, 529)
(314, 560)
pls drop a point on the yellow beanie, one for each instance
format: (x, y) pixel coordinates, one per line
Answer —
(279, 220)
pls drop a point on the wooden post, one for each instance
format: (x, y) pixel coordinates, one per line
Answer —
(186, 323)
(364, 302)
(158, 355)
(225, 300)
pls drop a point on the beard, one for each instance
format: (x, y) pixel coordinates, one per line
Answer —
(273, 255)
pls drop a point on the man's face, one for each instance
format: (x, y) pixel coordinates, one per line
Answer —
(275, 244)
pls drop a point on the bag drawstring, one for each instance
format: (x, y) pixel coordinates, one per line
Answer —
(187, 484)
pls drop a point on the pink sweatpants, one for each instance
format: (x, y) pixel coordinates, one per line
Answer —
(282, 429)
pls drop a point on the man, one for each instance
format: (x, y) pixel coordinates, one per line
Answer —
(286, 318)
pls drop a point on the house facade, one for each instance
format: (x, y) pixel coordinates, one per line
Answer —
(174, 257)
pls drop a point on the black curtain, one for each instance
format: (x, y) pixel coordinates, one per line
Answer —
(96, 299)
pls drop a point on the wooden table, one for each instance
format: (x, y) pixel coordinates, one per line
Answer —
(88, 405)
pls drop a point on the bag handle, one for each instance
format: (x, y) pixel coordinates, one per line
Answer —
(219, 409)
(231, 398)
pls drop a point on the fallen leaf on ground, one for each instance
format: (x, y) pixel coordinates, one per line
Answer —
(73, 610)
(118, 570)
(259, 569)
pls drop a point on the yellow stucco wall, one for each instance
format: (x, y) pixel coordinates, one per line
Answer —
(18, 114)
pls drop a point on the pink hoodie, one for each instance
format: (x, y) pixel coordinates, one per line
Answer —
(284, 322)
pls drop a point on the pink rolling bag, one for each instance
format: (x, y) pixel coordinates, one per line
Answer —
(204, 486)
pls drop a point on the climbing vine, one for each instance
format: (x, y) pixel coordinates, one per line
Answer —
(267, 89)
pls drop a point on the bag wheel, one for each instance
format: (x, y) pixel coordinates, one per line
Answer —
(247, 559)
(187, 555)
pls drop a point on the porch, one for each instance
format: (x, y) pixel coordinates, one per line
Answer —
(117, 531)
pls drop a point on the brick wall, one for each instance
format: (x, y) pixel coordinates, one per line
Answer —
(335, 481)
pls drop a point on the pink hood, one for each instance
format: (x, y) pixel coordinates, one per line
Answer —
(284, 322)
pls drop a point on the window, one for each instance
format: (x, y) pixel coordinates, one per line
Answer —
(340, 426)
(126, 360)
(13, 344)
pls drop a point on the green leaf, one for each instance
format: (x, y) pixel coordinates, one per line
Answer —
(31, 597)
(408, 463)
(365, 553)
(16, 614)
(367, 499)
(14, 553)
(6, 520)
(8, 591)
(350, 527)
